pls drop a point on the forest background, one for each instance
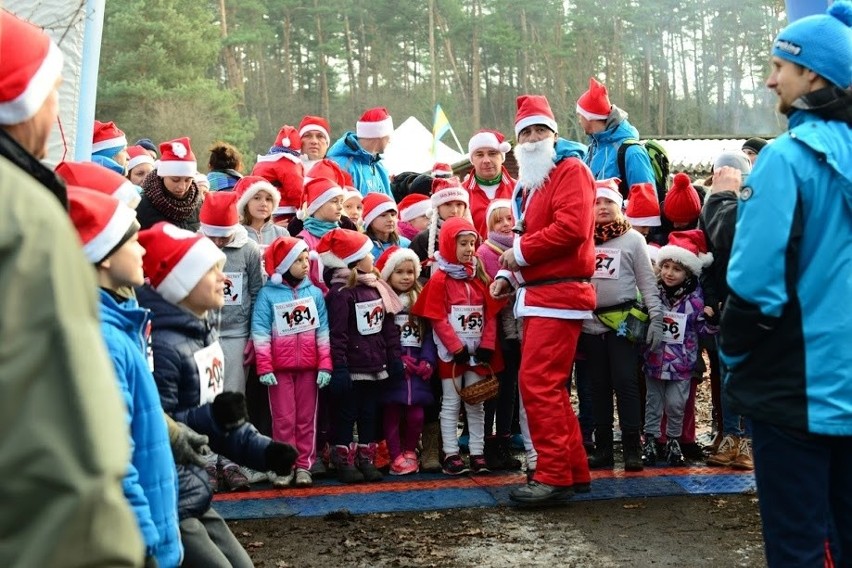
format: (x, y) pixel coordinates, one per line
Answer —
(237, 70)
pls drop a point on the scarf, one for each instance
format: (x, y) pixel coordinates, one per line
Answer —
(389, 297)
(318, 228)
(489, 182)
(108, 163)
(456, 271)
(675, 293)
(611, 230)
(502, 240)
(171, 207)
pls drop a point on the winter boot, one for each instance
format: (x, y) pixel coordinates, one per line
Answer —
(492, 456)
(504, 451)
(344, 464)
(429, 458)
(649, 450)
(631, 446)
(602, 457)
(366, 462)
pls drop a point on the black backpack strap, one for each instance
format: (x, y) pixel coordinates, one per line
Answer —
(622, 165)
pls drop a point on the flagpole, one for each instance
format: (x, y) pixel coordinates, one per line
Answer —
(456, 138)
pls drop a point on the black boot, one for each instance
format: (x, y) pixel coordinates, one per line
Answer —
(344, 464)
(631, 446)
(504, 451)
(602, 456)
(492, 457)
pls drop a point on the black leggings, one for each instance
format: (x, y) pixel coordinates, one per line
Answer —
(504, 405)
(611, 363)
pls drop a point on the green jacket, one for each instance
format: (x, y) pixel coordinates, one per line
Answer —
(63, 436)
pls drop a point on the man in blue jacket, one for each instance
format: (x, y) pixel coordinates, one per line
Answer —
(360, 152)
(785, 328)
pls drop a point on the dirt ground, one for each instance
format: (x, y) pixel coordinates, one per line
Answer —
(694, 531)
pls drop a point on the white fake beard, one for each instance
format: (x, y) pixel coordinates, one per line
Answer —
(535, 160)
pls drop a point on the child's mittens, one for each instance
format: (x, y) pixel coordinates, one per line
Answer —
(396, 370)
(268, 379)
(341, 382)
(410, 363)
(323, 378)
(423, 370)
(484, 355)
(461, 357)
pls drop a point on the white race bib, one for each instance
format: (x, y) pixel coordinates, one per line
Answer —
(467, 321)
(296, 316)
(674, 327)
(409, 335)
(607, 263)
(369, 316)
(234, 288)
(211, 372)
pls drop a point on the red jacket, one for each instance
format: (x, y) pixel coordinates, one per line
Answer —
(479, 200)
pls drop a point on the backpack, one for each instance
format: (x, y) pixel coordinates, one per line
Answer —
(659, 164)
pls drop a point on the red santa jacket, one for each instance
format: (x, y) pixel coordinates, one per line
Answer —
(556, 252)
(479, 200)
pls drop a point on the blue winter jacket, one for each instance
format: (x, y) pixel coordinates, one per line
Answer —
(151, 484)
(176, 335)
(785, 328)
(379, 247)
(602, 157)
(367, 171)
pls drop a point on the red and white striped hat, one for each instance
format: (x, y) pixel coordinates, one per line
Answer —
(374, 123)
(218, 215)
(103, 222)
(339, 248)
(96, 177)
(280, 255)
(106, 135)
(177, 159)
(318, 123)
(376, 204)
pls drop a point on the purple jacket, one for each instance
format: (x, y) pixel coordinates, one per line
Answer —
(350, 348)
(413, 390)
(676, 361)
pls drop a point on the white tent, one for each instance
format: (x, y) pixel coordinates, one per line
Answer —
(410, 149)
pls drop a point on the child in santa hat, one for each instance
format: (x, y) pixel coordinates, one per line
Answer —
(464, 319)
(380, 223)
(322, 209)
(668, 367)
(108, 231)
(643, 209)
(185, 285)
(415, 214)
(449, 199)
(353, 206)
(290, 333)
(404, 400)
(283, 168)
(139, 164)
(257, 200)
(365, 349)
(109, 147)
(169, 193)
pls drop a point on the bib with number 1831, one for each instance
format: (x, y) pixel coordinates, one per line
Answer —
(467, 321)
(369, 316)
(296, 316)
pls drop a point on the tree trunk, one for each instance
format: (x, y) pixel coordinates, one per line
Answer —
(232, 67)
(350, 64)
(323, 76)
(433, 63)
(475, 67)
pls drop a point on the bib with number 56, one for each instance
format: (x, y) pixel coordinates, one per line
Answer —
(674, 327)
(467, 321)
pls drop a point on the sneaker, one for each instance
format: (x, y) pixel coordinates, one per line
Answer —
(649, 450)
(478, 464)
(744, 459)
(282, 481)
(403, 465)
(303, 478)
(727, 452)
(674, 456)
(254, 476)
(213, 477)
(454, 465)
(382, 460)
(540, 494)
(234, 480)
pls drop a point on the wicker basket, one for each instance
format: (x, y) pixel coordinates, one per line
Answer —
(481, 391)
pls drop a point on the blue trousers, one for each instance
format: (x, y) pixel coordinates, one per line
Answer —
(804, 483)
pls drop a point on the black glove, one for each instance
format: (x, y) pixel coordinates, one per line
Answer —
(341, 382)
(280, 458)
(396, 370)
(483, 355)
(461, 357)
(229, 410)
(188, 446)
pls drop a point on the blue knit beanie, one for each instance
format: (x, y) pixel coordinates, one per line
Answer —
(821, 43)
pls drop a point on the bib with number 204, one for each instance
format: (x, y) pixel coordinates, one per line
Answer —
(467, 321)
(369, 316)
(296, 316)
(210, 362)
(234, 288)
(409, 332)
(674, 327)
(607, 263)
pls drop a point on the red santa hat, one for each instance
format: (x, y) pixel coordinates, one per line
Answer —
(494, 206)
(329, 169)
(594, 104)
(392, 257)
(414, 205)
(176, 260)
(103, 222)
(450, 231)
(29, 68)
(248, 186)
(447, 190)
(289, 137)
(107, 135)
(442, 170)
(280, 255)
(682, 204)
(286, 172)
(643, 209)
(138, 155)
(533, 109)
(493, 139)
(96, 177)
(608, 189)
(218, 215)
(688, 248)
(315, 123)
(374, 123)
(376, 204)
(350, 192)
(177, 159)
(340, 248)
(317, 193)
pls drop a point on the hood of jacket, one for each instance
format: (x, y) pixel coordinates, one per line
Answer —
(568, 149)
(617, 128)
(127, 316)
(349, 147)
(240, 238)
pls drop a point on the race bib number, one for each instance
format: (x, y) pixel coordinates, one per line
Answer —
(210, 362)
(409, 332)
(234, 288)
(674, 327)
(296, 316)
(607, 263)
(369, 316)
(467, 321)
